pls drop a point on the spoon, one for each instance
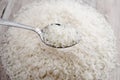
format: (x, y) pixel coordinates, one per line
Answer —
(54, 35)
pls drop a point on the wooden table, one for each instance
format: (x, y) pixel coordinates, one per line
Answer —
(110, 8)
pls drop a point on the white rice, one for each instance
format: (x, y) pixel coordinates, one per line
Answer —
(25, 57)
(60, 35)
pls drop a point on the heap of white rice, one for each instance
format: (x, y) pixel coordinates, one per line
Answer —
(60, 36)
(25, 57)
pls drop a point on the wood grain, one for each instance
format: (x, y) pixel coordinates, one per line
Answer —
(3, 5)
(110, 8)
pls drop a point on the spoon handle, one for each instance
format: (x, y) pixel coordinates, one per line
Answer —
(14, 24)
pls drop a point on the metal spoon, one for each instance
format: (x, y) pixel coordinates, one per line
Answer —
(39, 32)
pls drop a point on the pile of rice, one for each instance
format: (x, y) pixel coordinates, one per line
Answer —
(60, 36)
(25, 57)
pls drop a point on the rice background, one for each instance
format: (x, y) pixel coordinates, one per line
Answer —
(27, 58)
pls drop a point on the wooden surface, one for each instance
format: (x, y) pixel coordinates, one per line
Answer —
(3, 5)
(110, 8)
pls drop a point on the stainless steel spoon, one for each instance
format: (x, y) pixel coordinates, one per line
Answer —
(36, 30)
